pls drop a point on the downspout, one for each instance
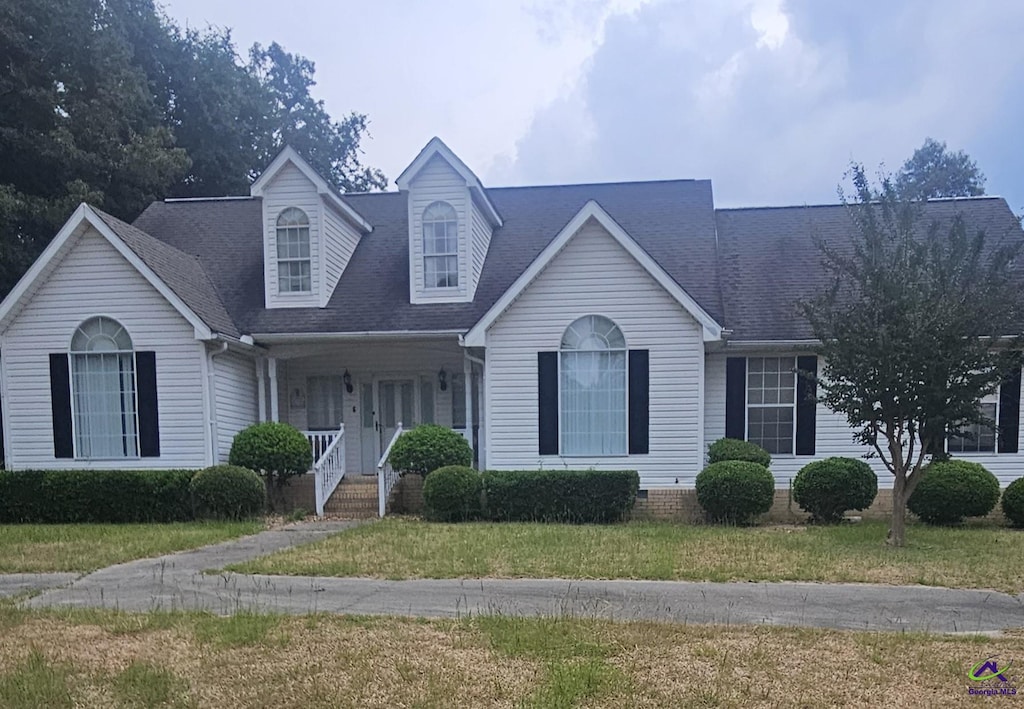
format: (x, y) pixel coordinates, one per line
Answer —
(211, 373)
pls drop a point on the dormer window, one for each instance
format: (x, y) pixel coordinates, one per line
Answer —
(294, 274)
(440, 246)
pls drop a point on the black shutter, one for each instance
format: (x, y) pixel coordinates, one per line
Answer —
(60, 403)
(547, 402)
(735, 397)
(149, 419)
(639, 401)
(1009, 413)
(806, 404)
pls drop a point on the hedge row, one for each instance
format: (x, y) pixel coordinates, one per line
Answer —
(455, 493)
(73, 496)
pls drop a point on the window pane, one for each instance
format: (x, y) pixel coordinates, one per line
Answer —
(426, 400)
(771, 428)
(324, 405)
(976, 438)
(593, 403)
(104, 405)
(458, 388)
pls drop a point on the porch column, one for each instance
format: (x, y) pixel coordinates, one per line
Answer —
(261, 387)
(467, 373)
(272, 367)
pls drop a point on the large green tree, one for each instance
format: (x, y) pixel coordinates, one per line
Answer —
(933, 171)
(110, 102)
(913, 329)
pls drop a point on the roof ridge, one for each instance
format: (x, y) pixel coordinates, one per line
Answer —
(821, 205)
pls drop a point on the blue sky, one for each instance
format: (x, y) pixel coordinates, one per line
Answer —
(771, 99)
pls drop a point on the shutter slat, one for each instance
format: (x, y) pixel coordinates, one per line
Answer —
(149, 418)
(60, 404)
(806, 405)
(639, 401)
(547, 403)
(735, 397)
(1009, 413)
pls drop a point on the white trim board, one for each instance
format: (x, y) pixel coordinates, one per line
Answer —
(82, 218)
(287, 155)
(476, 337)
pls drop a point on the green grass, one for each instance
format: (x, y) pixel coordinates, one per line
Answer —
(967, 557)
(31, 548)
(83, 658)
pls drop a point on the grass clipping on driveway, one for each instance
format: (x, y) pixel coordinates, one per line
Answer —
(69, 659)
(969, 557)
(36, 548)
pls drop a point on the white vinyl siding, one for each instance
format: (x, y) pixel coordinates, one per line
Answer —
(833, 436)
(94, 279)
(649, 319)
(438, 181)
(479, 244)
(237, 398)
(340, 242)
(290, 188)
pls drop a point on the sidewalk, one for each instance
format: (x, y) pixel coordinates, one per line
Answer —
(177, 582)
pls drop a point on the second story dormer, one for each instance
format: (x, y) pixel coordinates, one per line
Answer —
(451, 220)
(309, 233)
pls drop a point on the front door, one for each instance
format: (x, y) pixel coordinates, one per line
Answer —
(369, 435)
(397, 405)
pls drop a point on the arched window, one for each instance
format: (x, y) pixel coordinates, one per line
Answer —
(294, 274)
(104, 397)
(440, 246)
(592, 388)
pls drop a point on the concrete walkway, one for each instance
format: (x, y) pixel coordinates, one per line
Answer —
(177, 581)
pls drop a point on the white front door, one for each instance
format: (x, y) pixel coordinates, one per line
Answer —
(396, 404)
(369, 439)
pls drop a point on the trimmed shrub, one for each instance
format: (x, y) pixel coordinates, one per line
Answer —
(227, 492)
(452, 493)
(735, 491)
(735, 449)
(828, 488)
(429, 447)
(953, 489)
(69, 496)
(277, 451)
(1013, 502)
(576, 496)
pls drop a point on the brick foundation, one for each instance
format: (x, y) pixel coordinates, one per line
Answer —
(407, 497)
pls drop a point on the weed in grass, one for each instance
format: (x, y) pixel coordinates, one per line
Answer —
(239, 629)
(573, 683)
(540, 638)
(297, 515)
(35, 683)
(142, 684)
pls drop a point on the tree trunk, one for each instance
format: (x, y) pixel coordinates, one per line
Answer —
(898, 526)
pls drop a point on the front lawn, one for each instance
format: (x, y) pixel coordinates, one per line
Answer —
(85, 658)
(30, 548)
(969, 557)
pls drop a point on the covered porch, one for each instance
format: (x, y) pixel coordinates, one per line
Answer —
(352, 396)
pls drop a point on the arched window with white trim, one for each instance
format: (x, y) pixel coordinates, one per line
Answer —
(592, 388)
(294, 271)
(440, 246)
(103, 386)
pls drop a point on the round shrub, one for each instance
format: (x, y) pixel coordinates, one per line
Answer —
(953, 489)
(828, 488)
(277, 450)
(735, 449)
(1013, 502)
(429, 447)
(452, 493)
(227, 492)
(735, 490)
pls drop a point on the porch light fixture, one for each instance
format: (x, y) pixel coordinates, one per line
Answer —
(442, 379)
(347, 379)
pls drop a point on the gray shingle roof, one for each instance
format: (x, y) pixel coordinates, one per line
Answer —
(182, 273)
(745, 267)
(769, 259)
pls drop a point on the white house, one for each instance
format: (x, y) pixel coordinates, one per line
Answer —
(622, 325)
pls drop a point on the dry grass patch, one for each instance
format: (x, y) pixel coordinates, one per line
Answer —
(967, 557)
(34, 548)
(98, 659)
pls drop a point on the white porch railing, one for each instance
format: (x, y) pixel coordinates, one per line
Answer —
(319, 441)
(386, 475)
(329, 469)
